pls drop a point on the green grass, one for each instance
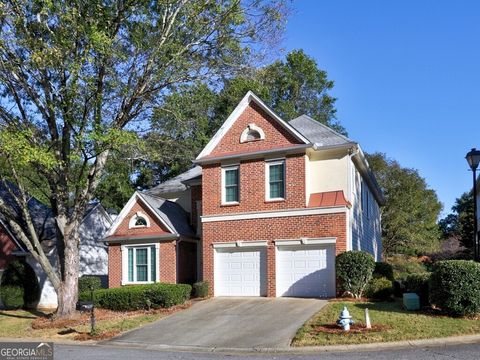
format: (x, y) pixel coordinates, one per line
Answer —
(18, 324)
(398, 323)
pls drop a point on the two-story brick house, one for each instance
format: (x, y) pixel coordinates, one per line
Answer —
(273, 202)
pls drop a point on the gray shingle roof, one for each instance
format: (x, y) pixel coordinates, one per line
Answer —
(175, 184)
(171, 213)
(318, 133)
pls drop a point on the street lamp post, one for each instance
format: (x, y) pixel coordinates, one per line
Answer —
(473, 158)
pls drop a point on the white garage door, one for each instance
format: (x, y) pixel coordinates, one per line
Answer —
(306, 271)
(240, 272)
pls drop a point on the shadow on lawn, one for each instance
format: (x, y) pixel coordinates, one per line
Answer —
(33, 314)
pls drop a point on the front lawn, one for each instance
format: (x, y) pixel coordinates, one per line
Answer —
(390, 323)
(26, 324)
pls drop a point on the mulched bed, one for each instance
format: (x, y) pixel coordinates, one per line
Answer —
(354, 329)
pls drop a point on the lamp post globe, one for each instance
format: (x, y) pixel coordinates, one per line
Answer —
(473, 159)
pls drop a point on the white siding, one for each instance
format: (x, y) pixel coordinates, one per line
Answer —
(366, 218)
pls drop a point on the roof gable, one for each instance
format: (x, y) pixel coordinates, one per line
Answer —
(251, 102)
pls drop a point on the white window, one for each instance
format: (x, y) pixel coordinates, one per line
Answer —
(140, 264)
(275, 180)
(231, 184)
(252, 133)
(139, 220)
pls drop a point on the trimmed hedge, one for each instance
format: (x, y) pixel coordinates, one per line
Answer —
(88, 283)
(12, 296)
(383, 269)
(135, 297)
(20, 274)
(354, 271)
(379, 289)
(419, 284)
(455, 287)
(200, 289)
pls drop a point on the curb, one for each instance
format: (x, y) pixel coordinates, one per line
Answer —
(436, 342)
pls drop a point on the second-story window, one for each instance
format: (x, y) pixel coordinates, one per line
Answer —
(275, 180)
(231, 185)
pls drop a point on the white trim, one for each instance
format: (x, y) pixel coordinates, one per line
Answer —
(124, 251)
(224, 169)
(126, 210)
(275, 214)
(269, 163)
(306, 241)
(135, 217)
(251, 127)
(242, 105)
(240, 244)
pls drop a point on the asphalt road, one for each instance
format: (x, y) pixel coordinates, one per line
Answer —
(83, 352)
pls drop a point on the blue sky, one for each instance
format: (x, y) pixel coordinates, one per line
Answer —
(407, 79)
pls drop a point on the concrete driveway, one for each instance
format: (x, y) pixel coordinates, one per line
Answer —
(230, 323)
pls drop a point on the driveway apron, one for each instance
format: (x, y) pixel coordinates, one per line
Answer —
(243, 323)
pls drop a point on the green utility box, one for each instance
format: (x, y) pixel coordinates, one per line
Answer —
(411, 301)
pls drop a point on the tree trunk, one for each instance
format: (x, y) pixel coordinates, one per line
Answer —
(67, 294)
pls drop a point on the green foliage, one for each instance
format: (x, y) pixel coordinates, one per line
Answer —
(134, 297)
(419, 284)
(379, 289)
(20, 274)
(403, 265)
(200, 289)
(354, 270)
(409, 217)
(455, 287)
(459, 223)
(12, 296)
(87, 283)
(383, 269)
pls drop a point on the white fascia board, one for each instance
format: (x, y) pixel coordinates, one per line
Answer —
(242, 105)
(126, 209)
(306, 241)
(275, 214)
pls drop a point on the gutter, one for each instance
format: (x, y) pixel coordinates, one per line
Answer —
(121, 239)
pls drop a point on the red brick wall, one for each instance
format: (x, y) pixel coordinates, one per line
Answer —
(167, 258)
(312, 226)
(252, 187)
(156, 227)
(275, 135)
(6, 247)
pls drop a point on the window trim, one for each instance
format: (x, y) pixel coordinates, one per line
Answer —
(269, 163)
(135, 217)
(251, 127)
(124, 251)
(224, 192)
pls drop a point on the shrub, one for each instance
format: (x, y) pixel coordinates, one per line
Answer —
(354, 271)
(455, 287)
(419, 284)
(379, 289)
(19, 274)
(398, 287)
(87, 283)
(405, 265)
(383, 269)
(200, 289)
(12, 296)
(135, 297)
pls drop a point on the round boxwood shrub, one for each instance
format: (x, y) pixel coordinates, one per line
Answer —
(200, 289)
(455, 287)
(354, 271)
(383, 269)
(12, 296)
(379, 289)
(19, 274)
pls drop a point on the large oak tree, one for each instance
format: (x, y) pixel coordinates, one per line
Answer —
(79, 78)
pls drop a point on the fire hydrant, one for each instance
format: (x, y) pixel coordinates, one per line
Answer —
(345, 320)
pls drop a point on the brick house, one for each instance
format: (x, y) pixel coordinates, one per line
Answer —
(270, 204)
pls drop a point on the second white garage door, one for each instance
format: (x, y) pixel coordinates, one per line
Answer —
(306, 271)
(240, 272)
